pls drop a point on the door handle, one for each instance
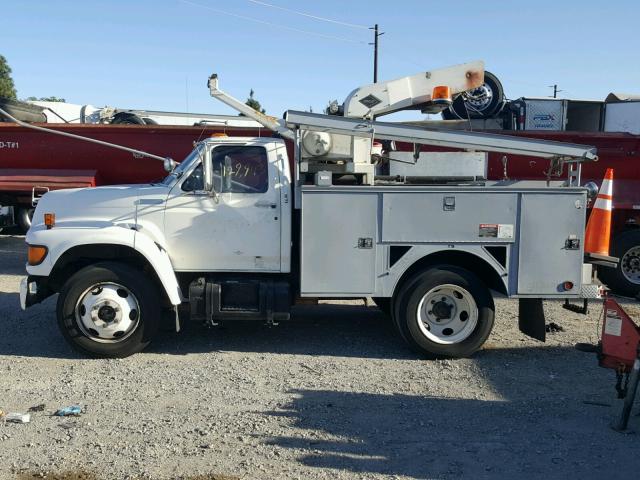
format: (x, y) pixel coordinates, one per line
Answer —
(266, 204)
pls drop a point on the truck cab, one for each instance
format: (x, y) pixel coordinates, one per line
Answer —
(227, 208)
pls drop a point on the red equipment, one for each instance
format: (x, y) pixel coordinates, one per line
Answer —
(620, 338)
(619, 349)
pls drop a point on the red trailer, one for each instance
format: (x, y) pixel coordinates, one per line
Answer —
(33, 162)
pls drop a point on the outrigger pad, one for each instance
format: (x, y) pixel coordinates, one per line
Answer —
(531, 319)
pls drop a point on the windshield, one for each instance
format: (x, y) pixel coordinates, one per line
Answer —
(193, 157)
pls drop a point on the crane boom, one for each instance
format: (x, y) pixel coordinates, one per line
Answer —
(479, 141)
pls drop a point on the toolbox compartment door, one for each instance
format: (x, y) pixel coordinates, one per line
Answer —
(339, 241)
(545, 261)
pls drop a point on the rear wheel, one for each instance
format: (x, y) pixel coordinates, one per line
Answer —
(444, 312)
(108, 310)
(625, 278)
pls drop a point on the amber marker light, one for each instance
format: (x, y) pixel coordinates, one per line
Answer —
(49, 220)
(36, 254)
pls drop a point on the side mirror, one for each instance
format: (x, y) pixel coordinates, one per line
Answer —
(226, 173)
(169, 165)
(207, 171)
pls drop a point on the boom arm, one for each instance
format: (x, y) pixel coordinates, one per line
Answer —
(486, 142)
(271, 123)
(168, 163)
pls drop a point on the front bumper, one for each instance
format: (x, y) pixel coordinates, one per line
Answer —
(33, 290)
(24, 285)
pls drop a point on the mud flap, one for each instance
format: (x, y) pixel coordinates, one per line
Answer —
(531, 319)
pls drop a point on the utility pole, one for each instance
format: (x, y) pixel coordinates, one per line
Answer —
(375, 51)
(555, 90)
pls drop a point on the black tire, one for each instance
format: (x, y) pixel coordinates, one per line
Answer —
(458, 110)
(383, 304)
(626, 247)
(136, 282)
(411, 292)
(22, 111)
(24, 215)
(126, 118)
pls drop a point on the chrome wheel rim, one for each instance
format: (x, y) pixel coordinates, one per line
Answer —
(479, 98)
(107, 313)
(630, 265)
(447, 314)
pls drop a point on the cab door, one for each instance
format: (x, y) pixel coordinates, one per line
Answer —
(236, 227)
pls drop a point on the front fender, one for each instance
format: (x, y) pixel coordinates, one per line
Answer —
(159, 259)
(61, 239)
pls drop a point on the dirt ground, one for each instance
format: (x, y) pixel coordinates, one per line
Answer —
(334, 394)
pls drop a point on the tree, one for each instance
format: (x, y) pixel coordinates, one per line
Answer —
(45, 99)
(253, 103)
(7, 88)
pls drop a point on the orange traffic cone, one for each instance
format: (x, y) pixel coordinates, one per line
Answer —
(596, 238)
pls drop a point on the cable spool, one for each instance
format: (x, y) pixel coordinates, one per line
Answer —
(317, 144)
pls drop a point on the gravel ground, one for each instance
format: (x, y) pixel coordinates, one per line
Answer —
(333, 394)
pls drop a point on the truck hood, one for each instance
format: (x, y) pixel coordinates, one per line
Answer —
(116, 204)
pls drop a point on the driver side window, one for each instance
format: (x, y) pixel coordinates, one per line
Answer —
(248, 167)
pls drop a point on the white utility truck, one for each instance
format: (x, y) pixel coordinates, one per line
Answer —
(232, 233)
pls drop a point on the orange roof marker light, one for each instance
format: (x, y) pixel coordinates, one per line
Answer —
(219, 135)
(441, 95)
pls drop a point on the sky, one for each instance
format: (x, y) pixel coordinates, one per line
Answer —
(158, 54)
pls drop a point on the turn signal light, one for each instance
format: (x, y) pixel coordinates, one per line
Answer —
(441, 94)
(36, 254)
(49, 220)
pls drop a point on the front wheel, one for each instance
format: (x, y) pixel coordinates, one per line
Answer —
(108, 310)
(444, 312)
